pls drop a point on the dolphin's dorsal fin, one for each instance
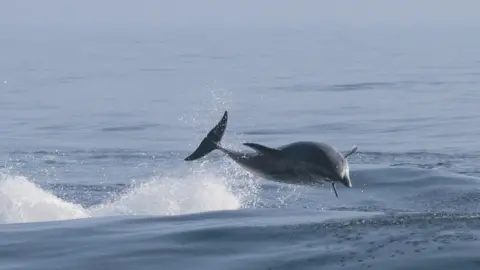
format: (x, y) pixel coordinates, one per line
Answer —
(263, 149)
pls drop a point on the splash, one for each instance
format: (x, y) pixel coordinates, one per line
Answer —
(172, 196)
(23, 201)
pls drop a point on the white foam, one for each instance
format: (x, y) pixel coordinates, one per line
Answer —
(172, 196)
(23, 201)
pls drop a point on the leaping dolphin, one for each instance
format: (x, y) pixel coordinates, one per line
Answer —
(300, 163)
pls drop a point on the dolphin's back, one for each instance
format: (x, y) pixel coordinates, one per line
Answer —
(314, 152)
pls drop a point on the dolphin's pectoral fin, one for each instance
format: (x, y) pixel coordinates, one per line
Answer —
(335, 189)
(263, 149)
(354, 149)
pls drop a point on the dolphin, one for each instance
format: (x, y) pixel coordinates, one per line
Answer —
(300, 163)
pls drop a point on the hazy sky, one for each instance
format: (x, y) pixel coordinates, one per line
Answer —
(240, 12)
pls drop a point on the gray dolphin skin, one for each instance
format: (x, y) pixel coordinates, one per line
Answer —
(299, 163)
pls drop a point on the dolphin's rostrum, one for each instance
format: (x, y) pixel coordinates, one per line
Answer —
(300, 163)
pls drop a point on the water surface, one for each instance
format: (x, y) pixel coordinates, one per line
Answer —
(96, 123)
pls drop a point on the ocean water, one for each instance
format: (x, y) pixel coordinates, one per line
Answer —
(95, 124)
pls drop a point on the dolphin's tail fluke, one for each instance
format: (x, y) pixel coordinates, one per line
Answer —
(212, 141)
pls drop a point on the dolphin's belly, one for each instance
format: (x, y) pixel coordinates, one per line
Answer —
(283, 171)
(295, 177)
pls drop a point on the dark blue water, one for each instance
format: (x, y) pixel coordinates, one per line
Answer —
(95, 124)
